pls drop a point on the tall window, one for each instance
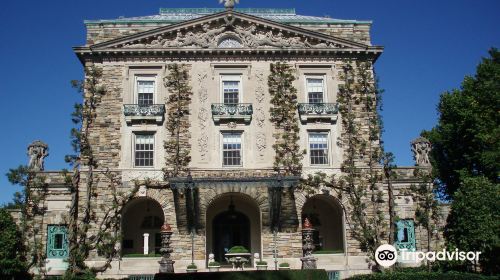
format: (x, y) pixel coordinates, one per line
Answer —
(231, 90)
(231, 149)
(144, 150)
(315, 90)
(57, 241)
(405, 235)
(318, 148)
(145, 91)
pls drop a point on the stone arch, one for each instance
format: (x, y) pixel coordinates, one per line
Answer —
(327, 215)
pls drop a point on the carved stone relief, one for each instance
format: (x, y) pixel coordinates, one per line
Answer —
(421, 148)
(203, 115)
(261, 143)
(227, 35)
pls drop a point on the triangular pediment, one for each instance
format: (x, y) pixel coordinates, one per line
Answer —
(229, 30)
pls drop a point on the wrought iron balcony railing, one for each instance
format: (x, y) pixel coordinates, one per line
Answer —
(136, 112)
(318, 111)
(234, 112)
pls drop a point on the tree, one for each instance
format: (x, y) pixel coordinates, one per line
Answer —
(12, 262)
(465, 140)
(474, 221)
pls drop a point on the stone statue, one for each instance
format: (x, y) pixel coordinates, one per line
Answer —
(229, 4)
(37, 151)
(421, 147)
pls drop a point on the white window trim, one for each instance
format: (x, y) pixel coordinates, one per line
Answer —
(145, 77)
(231, 77)
(325, 88)
(134, 134)
(328, 140)
(221, 148)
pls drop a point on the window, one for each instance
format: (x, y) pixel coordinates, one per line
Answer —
(144, 150)
(145, 91)
(318, 146)
(231, 149)
(405, 235)
(57, 242)
(315, 90)
(231, 89)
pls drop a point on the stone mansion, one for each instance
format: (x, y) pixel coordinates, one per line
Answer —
(229, 191)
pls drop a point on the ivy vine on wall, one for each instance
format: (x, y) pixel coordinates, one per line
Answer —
(288, 157)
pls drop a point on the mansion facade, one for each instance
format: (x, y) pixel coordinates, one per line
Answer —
(230, 192)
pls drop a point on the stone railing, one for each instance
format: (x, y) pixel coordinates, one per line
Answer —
(135, 112)
(232, 112)
(318, 111)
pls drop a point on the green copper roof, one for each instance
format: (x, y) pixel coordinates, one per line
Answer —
(176, 15)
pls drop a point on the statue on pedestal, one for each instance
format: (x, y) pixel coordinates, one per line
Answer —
(37, 152)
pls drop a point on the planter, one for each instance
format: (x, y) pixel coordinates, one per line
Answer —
(238, 260)
(284, 268)
(262, 267)
(213, 268)
(190, 270)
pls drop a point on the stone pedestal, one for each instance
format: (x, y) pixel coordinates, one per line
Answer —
(308, 261)
(146, 243)
(166, 263)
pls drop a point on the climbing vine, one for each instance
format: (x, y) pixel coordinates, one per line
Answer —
(32, 213)
(361, 179)
(288, 157)
(93, 225)
(177, 147)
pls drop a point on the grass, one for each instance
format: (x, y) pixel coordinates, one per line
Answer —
(311, 274)
(328, 252)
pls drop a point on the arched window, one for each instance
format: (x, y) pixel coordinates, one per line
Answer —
(229, 42)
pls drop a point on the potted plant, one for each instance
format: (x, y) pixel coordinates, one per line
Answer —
(213, 266)
(238, 256)
(192, 268)
(284, 266)
(261, 265)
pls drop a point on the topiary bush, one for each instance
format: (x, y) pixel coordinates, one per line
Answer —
(238, 249)
(284, 264)
(213, 264)
(261, 263)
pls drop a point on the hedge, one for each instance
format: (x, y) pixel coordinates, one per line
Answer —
(423, 275)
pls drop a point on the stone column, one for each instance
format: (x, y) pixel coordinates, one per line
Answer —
(166, 263)
(308, 261)
(146, 243)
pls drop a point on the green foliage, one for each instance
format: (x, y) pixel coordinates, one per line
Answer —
(283, 111)
(422, 275)
(284, 264)
(474, 221)
(308, 274)
(192, 266)
(141, 256)
(12, 255)
(261, 263)
(238, 249)
(177, 148)
(465, 140)
(213, 264)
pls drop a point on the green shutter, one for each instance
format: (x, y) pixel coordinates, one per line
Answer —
(57, 242)
(405, 235)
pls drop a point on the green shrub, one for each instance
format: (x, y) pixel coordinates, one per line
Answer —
(261, 263)
(192, 266)
(284, 264)
(238, 249)
(423, 275)
(213, 264)
(141, 256)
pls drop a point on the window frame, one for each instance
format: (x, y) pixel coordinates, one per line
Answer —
(146, 78)
(222, 133)
(231, 78)
(306, 87)
(411, 243)
(134, 141)
(52, 231)
(329, 150)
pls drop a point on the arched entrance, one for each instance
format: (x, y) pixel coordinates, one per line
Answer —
(140, 216)
(232, 220)
(327, 217)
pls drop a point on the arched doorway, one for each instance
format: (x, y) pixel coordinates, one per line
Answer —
(140, 216)
(232, 220)
(327, 217)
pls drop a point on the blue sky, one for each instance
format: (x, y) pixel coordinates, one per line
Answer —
(430, 46)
